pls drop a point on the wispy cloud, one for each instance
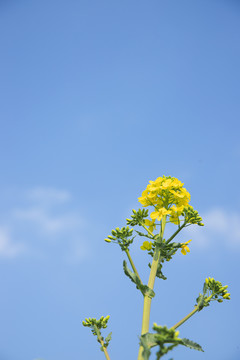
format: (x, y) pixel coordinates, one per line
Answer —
(47, 222)
(48, 196)
(45, 214)
(8, 248)
(221, 226)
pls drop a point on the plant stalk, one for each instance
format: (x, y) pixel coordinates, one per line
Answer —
(132, 264)
(105, 350)
(151, 281)
(100, 339)
(185, 318)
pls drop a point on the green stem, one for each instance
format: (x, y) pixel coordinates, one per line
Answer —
(100, 339)
(150, 233)
(105, 351)
(132, 264)
(185, 318)
(196, 308)
(151, 281)
(176, 232)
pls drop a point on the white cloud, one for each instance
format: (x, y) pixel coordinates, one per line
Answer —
(7, 247)
(45, 215)
(221, 226)
(47, 222)
(48, 195)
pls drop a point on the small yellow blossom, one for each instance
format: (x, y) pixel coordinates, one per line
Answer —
(185, 248)
(151, 224)
(174, 219)
(146, 245)
(158, 214)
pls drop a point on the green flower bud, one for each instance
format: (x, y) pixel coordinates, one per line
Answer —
(226, 295)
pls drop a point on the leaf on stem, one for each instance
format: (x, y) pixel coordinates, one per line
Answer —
(145, 290)
(191, 344)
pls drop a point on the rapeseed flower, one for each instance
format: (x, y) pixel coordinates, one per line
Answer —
(146, 245)
(185, 248)
(151, 224)
(168, 196)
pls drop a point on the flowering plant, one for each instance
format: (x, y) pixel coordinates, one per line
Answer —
(169, 203)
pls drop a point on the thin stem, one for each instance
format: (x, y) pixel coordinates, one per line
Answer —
(176, 232)
(151, 281)
(185, 318)
(196, 308)
(150, 233)
(105, 351)
(100, 339)
(132, 264)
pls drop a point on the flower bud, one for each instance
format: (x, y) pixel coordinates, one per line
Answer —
(226, 295)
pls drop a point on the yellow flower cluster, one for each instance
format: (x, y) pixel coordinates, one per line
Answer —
(168, 196)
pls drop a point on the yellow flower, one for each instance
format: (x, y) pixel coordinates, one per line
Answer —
(177, 183)
(174, 219)
(164, 192)
(146, 245)
(143, 199)
(177, 209)
(151, 224)
(167, 184)
(185, 248)
(158, 214)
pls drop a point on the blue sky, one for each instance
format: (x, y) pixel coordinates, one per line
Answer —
(98, 98)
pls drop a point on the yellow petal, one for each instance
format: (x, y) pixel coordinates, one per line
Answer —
(183, 251)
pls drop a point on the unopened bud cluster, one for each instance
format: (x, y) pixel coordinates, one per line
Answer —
(192, 216)
(121, 237)
(137, 217)
(217, 289)
(100, 324)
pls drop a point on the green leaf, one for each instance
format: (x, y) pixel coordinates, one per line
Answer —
(107, 339)
(191, 344)
(200, 302)
(145, 290)
(166, 339)
(159, 273)
(150, 340)
(205, 288)
(144, 341)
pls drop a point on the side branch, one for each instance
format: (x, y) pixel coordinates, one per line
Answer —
(185, 318)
